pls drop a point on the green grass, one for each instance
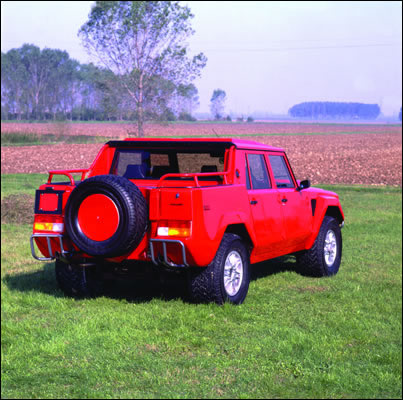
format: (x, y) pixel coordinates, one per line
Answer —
(22, 183)
(294, 337)
(30, 139)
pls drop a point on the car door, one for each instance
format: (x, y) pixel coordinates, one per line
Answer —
(264, 206)
(295, 205)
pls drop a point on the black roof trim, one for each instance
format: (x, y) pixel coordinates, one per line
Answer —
(171, 145)
(261, 150)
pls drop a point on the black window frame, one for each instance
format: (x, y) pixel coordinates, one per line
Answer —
(265, 168)
(287, 169)
(247, 174)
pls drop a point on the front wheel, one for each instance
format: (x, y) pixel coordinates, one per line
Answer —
(324, 257)
(226, 278)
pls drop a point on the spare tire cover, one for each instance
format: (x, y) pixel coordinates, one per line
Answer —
(106, 216)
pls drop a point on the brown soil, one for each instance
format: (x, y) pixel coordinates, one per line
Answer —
(17, 209)
(188, 129)
(373, 158)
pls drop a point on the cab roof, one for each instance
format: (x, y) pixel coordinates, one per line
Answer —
(193, 142)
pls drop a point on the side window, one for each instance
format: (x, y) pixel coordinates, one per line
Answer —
(258, 172)
(247, 177)
(281, 173)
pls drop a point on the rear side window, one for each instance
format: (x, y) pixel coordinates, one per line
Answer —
(199, 162)
(258, 172)
(281, 173)
(129, 160)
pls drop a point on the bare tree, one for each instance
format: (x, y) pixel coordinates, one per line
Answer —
(139, 40)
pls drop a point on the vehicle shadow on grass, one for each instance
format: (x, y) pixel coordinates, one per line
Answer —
(173, 285)
(272, 267)
(136, 289)
(42, 280)
(165, 286)
(144, 290)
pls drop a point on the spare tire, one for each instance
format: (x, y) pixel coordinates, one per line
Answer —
(106, 216)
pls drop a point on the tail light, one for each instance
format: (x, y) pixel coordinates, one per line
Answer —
(48, 223)
(174, 228)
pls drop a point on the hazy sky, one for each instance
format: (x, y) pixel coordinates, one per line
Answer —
(267, 56)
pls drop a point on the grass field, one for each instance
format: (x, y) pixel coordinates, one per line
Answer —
(29, 139)
(294, 337)
(15, 184)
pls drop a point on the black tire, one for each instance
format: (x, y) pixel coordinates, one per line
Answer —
(313, 262)
(78, 281)
(207, 284)
(131, 207)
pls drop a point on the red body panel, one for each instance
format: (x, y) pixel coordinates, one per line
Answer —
(274, 220)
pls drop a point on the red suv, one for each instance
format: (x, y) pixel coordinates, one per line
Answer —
(208, 206)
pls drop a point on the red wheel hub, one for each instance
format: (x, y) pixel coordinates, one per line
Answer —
(98, 217)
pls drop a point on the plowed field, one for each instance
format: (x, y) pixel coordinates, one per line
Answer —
(332, 154)
(196, 128)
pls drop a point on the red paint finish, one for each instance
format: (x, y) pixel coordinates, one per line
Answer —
(98, 217)
(48, 202)
(272, 217)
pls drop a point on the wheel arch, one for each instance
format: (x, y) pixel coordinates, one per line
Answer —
(242, 232)
(331, 210)
(334, 211)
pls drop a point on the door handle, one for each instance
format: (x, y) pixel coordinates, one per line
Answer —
(284, 200)
(253, 202)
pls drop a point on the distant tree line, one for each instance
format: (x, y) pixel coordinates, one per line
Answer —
(48, 85)
(334, 110)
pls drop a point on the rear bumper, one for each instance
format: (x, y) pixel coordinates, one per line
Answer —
(156, 259)
(52, 254)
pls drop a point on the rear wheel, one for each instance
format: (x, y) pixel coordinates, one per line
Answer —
(226, 278)
(324, 257)
(79, 281)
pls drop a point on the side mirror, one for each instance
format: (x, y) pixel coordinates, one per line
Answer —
(304, 185)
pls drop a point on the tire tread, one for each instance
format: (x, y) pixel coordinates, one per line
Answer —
(310, 262)
(206, 283)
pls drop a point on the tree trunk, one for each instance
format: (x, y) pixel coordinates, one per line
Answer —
(140, 114)
(140, 117)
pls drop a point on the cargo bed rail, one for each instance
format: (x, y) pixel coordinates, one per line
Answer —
(69, 173)
(195, 176)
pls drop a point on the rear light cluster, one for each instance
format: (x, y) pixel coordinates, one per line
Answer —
(48, 227)
(48, 223)
(174, 228)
